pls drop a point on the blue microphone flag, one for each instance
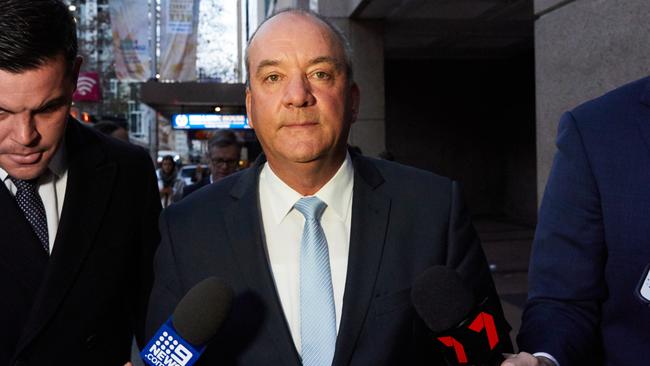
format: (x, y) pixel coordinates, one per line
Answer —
(168, 348)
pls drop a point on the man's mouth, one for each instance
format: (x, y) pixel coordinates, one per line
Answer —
(300, 124)
(26, 159)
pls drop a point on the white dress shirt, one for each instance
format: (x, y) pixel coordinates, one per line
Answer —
(550, 357)
(51, 188)
(283, 228)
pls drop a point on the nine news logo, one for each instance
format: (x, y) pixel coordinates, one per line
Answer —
(167, 348)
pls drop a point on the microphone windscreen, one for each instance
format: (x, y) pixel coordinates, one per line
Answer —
(202, 310)
(441, 298)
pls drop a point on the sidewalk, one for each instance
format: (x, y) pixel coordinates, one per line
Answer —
(507, 248)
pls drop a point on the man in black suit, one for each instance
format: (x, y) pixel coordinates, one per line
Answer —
(223, 156)
(78, 209)
(320, 245)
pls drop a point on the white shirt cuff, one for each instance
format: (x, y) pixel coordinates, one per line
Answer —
(544, 354)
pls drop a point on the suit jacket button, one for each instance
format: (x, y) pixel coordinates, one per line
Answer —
(19, 362)
(91, 341)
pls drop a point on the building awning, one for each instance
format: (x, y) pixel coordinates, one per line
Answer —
(193, 97)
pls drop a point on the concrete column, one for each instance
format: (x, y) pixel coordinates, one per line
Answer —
(583, 49)
(366, 39)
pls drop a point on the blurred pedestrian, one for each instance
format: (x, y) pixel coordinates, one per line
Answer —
(223, 155)
(199, 173)
(170, 184)
(112, 129)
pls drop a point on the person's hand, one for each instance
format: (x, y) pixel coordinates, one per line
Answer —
(128, 364)
(520, 359)
(525, 359)
(166, 191)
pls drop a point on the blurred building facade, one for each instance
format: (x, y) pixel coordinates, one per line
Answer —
(222, 26)
(470, 89)
(119, 100)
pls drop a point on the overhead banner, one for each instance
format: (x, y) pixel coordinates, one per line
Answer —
(131, 39)
(179, 20)
(87, 87)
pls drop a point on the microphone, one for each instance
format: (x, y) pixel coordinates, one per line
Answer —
(466, 332)
(181, 340)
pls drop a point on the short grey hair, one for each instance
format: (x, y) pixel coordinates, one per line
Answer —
(338, 35)
(224, 138)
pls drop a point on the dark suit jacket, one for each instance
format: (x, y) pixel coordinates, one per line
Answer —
(404, 220)
(81, 305)
(593, 236)
(187, 190)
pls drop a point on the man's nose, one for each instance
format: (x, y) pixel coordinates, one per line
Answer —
(24, 129)
(298, 93)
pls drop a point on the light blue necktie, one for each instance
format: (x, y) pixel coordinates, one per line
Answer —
(317, 313)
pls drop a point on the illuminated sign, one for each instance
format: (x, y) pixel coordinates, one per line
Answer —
(87, 87)
(209, 121)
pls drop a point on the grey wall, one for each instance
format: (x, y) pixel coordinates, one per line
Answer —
(583, 49)
(366, 39)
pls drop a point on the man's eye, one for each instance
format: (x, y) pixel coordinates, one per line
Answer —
(273, 78)
(49, 109)
(322, 75)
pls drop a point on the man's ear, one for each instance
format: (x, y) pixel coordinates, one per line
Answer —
(75, 72)
(355, 99)
(248, 107)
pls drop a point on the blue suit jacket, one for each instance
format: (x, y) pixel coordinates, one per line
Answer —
(404, 220)
(593, 237)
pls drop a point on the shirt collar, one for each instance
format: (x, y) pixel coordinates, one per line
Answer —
(336, 193)
(57, 165)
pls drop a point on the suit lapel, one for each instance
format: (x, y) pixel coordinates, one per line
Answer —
(244, 230)
(645, 97)
(644, 118)
(28, 259)
(370, 213)
(86, 198)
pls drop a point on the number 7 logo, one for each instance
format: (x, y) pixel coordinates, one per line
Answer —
(485, 320)
(458, 348)
(482, 321)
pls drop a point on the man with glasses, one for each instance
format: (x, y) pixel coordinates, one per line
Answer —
(223, 156)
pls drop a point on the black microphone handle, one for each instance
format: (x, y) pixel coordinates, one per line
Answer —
(477, 340)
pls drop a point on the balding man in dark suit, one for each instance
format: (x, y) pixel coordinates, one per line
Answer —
(320, 245)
